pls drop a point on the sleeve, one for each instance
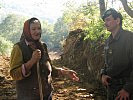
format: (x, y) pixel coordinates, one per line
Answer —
(55, 72)
(129, 84)
(16, 62)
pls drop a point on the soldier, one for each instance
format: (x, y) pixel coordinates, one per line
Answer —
(117, 75)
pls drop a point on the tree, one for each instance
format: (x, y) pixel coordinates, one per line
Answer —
(61, 31)
(124, 3)
(11, 27)
(127, 8)
(102, 7)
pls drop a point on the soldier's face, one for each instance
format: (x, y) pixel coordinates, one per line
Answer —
(35, 30)
(110, 23)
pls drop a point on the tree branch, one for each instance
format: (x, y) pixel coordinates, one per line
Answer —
(127, 8)
(102, 7)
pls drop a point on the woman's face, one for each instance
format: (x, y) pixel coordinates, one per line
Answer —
(35, 30)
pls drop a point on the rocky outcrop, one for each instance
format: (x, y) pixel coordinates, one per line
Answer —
(84, 56)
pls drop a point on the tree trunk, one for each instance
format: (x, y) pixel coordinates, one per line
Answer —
(102, 7)
(127, 8)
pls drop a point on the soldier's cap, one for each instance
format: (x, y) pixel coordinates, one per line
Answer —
(112, 12)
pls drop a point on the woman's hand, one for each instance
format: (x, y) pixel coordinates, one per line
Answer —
(71, 74)
(36, 55)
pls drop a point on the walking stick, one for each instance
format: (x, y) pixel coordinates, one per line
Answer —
(39, 81)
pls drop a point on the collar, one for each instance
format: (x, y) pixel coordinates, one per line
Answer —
(117, 36)
(27, 43)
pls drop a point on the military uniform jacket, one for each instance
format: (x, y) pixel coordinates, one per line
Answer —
(119, 58)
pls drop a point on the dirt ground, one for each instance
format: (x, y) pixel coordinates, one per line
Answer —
(64, 89)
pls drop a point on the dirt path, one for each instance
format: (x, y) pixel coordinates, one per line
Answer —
(65, 89)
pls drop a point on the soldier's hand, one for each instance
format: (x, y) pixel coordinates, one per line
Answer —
(105, 79)
(36, 55)
(122, 95)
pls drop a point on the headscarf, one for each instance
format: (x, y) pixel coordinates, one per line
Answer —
(26, 30)
(26, 35)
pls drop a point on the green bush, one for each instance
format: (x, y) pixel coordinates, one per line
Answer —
(5, 46)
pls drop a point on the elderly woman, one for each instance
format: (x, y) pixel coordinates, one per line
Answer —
(30, 65)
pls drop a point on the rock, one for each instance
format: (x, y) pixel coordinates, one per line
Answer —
(84, 56)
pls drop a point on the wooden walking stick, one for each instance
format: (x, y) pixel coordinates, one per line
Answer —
(39, 81)
(39, 76)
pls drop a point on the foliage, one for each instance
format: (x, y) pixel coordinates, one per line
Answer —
(127, 21)
(5, 46)
(11, 27)
(86, 17)
(61, 31)
(74, 18)
(54, 34)
(47, 30)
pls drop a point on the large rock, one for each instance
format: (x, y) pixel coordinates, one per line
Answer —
(84, 56)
